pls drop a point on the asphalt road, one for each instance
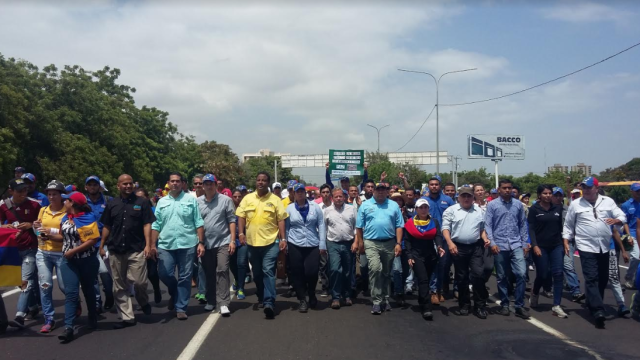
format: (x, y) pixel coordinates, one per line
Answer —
(324, 333)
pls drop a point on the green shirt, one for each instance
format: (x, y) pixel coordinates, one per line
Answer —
(177, 220)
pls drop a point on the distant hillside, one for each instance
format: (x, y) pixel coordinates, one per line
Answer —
(628, 171)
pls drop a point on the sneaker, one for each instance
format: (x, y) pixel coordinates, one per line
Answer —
(408, 291)
(335, 304)
(182, 316)
(201, 298)
(578, 297)
(623, 311)
(48, 326)
(67, 336)
(531, 268)
(234, 286)
(348, 302)
(522, 313)
(304, 307)
(376, 310)
(480, 312)
(224, 311)
(324, 293)
(629, 286)
(18, 322)
(600, 318)
(386, 306)
(426, 313)
(435, 300)
(240, 295)
(557, 311)
(504, 311)
(209, 307)
(464, 311)
(268, 311)
(247, 279)
(533, 300)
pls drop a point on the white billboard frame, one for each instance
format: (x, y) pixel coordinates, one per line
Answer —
(496, 147)
(319, 160)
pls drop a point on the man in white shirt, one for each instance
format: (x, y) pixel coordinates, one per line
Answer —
(588, 221)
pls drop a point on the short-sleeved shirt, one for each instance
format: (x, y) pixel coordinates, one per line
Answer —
(51, 220)
(438, 205)
(27, 212)
(341, 224)
(464, 225)
(379, 221)
(262, 215)
(217, 215)
(126, 219)
(98, 208)
(177, 221)
(77, 231)
(286, 201)
(39, 197)
(631, 209)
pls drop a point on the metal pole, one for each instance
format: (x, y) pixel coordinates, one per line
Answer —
(378, 130)
(275, 169)
(496, 161)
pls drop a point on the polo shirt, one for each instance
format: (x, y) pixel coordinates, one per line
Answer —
(177, 221)
(341, 224)
(126, 219)
(631, 209)
(50, 220)
(438, 205)
(28, 212)
(589, 230)
(545, 226)
(217, 215)
(465, 226)
(98, 208)
(379, 221)
(262, 215)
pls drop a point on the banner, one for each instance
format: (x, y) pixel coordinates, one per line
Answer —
(346, 163)
(506, 147)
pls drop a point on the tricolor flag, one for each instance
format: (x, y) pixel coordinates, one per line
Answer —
(10, 263)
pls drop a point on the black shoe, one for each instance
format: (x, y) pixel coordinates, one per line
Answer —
(108, 303)
(464, 311)
(67, 336)
(124, 324)
(268, 311)
(480, 312)
(313, 302)
(324, 293)
(427, 315)
(578, 297)
(146, 309)
(504, 311)
(157, 297)
(18, 322)
(522, 313)
(304, 307)
(33, 314)
(172, 304)
(599, 319)
(400, 300)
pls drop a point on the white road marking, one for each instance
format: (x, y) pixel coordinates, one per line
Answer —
(17, 289)
(567, 340)
(194, 345)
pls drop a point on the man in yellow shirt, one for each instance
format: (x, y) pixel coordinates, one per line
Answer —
(260, 222)
(289, 199)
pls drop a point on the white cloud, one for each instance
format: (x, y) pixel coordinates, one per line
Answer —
(579, 12)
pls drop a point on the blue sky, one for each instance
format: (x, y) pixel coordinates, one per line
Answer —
(302, 78)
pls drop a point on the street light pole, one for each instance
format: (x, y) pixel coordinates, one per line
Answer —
(378, 130)
(437, 81)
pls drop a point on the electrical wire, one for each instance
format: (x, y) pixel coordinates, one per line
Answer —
(546, 82)
(416, 133)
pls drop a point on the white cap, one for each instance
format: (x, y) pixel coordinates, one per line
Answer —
(575, 191)
(421, 202)
(102, 186)
(275, 185)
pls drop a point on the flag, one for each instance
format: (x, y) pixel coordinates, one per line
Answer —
(10, 262)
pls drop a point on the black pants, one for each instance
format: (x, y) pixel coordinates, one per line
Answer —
(487, 263)
(595, 269)
(469, 267)
(152, 274)
(324, 271)
(423, 267)
(305, 266)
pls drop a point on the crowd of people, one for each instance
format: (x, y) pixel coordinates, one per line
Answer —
(370, 238)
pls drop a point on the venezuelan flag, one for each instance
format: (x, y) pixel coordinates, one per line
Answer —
(10, 263)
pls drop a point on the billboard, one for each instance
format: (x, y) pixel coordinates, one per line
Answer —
(505, 147)
(346, 162)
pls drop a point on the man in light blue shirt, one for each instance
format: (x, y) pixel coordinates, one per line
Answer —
(506, 226)
(179, 233)
(378, 224)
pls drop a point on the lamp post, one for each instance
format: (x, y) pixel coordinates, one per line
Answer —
(378, 130)
(437, 81)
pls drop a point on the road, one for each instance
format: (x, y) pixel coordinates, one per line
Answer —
(324, 333)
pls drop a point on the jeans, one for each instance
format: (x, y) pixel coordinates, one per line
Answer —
(46, 261)
(215, 264)
(635, 260)
(305, 265)
(239, 264)
(201, 279)
(76, 273)
(180, 289)
(380, 255)
(263, 262)
(570, 272)
(511, 260)
(107, 281)
(440, 277)
(469, 267)
(28, 294)
(595, 269)
(549, 265)
(614, 277)
(341, 261)
(324, 272)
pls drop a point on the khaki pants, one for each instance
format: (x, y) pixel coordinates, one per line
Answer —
(216, 268)
(380, 255)
(129, 269)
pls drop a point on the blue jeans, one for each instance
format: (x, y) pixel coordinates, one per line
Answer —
(551, 257)
(107, 281)
(46, 261)
(511, 260)
(341, 261)
(28, 294)
(441, 275)
(180, 289)
(239, 264)
(76, 273)
(263, 261)
(570, 271)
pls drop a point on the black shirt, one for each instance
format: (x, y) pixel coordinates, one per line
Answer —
(126, 219)
(545, 227)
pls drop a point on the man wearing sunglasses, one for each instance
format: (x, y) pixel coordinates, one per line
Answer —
(589, 221)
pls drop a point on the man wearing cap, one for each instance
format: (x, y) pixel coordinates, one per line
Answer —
(438, 203)
(344, 181)
(589, 222)
(221, 189)
(631, 209)
(506, 226)
(218, 213)
(18, 172)
(289, 199)
(463, 229)
(19, 212)
(379, 228)
(493, 194)
(126, 232)
(98, 202)
(276, 188)
(34, 194)
(573, 283)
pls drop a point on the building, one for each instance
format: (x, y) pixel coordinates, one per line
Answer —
(558, 167)
(261, 153)
(582, 168)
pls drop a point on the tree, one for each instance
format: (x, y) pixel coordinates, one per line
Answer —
(219, 160)
(253, 166)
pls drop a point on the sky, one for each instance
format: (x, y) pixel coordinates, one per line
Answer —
(303, 77)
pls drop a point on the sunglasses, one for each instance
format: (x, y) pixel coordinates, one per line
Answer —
(197, 183)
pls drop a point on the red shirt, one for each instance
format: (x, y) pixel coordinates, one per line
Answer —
(226, 192)
(28, 212)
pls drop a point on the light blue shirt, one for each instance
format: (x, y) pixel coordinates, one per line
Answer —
(308, 233)
(631, 209)
(379, 221)
(438, 205)
(465, 226)
(177, 220)
(506, 224)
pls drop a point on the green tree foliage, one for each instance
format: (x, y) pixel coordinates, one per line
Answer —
(219, 160)
(629, 171)
(253, 166)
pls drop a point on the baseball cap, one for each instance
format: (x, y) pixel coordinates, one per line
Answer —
(436, 177)
(241, 188)
(493, 191)
(17, 184)
(92, 178)
(421, 202)
(298, 186)
(395, 195)
(158, 190)
(290, 183)
(589, 181)
(557, 190)
(20, 169)
(102, 186)
(465, 190)
(70, 188)
(382, 185)
(576, 191)
(76, 197)
(344, 178)
(635, 187)
(209, 177)
(276, 185)
(30, 177)
(525, 195)
(55, 185)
